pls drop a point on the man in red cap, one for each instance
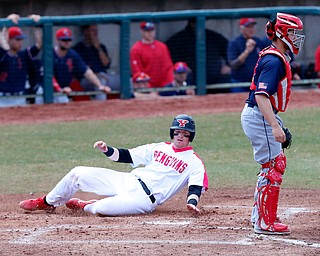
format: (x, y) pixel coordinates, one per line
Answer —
(15, 63)
(69, 67)
(181, 71)
(243, 53)
(152, 57)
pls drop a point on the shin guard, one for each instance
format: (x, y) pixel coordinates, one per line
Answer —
(268, 195)
(267, 204)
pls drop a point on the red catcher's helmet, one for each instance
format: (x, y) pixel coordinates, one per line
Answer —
(286, 28)
(183, 122)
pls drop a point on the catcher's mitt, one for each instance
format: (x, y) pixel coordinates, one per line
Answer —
(288, 141)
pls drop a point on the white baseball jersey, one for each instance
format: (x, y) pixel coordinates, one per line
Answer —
(166, 169)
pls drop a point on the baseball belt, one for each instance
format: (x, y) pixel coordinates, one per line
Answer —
(251, 105)
(145, 188)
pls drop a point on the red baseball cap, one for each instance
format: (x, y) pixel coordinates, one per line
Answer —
(64, 33)
(181, 67)
(16, 32)
(140, 77)
(147, 26)
(247, 21)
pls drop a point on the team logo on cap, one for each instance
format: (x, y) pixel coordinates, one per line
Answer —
(182, 122)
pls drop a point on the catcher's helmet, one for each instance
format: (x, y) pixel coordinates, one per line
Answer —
(283, 26)
(183, 122)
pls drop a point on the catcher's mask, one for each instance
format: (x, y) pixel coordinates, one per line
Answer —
(183, 122)
(287, 28)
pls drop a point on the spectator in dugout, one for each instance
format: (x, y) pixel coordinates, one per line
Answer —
(243, 53)
(15, 62)
(96, 56)
(181, 71)
(152, 57)
(182, 46)
(69, 69)
(140, 80)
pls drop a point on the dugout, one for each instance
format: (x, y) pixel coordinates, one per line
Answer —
(120, 30)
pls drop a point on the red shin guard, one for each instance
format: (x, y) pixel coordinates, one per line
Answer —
(268, 205)
(268, 197)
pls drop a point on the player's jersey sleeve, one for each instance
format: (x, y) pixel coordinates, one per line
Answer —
(233, 50)
(141, 155)
(270, 71)
(33, 51)
(199, 175)
(169, 66)
(135, 58)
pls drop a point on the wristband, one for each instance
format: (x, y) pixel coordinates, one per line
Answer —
(193, 199)
(109, 152)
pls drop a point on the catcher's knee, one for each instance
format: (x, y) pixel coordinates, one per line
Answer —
(277, 168)
(280, 163)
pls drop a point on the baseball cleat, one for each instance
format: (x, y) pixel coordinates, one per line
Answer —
(36, 204)
(278, 220)
(77, 204)
(275, 229)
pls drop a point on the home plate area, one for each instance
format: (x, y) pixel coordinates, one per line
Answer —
(223, 228)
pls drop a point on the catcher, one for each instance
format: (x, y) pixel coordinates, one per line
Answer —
(168, 167)
(269, 93)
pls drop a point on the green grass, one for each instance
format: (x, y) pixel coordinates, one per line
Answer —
(33, 158)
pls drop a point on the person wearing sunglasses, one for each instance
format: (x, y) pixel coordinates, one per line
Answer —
(69, 68)
(160, 171)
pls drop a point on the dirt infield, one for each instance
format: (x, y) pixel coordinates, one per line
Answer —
(223, 228)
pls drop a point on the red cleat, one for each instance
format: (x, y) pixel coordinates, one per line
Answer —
(77, 204)
(36, 204)
(274, 229)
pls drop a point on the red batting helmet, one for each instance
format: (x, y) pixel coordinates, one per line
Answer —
(183, 122)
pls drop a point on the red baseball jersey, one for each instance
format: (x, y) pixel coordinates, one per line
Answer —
(153, 59)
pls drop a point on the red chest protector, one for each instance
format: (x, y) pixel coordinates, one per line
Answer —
(280, 99)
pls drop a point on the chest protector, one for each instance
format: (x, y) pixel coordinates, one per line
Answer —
(280, 99)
